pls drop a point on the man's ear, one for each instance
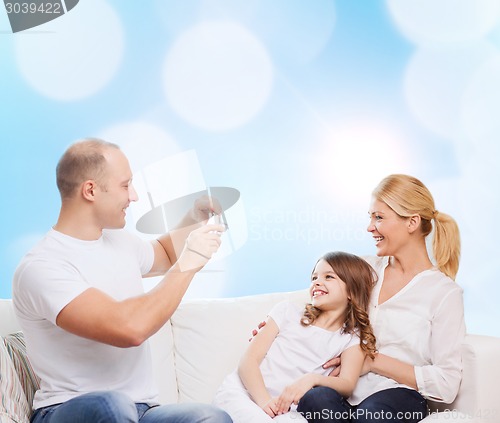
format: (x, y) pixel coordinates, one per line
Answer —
(88, 190)
(414, 222)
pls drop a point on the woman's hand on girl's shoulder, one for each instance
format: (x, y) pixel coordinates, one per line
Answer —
(256, 331)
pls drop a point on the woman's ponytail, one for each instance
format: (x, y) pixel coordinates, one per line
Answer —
(446, 244)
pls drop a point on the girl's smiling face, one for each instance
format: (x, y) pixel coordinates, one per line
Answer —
(328, 291)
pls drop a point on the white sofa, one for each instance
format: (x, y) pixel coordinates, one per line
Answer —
(205, 338)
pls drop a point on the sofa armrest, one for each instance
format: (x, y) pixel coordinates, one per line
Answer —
(477, 399)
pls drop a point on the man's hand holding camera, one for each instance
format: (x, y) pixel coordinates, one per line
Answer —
(199, 247)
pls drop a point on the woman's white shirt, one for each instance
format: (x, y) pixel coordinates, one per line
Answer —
(423, 324)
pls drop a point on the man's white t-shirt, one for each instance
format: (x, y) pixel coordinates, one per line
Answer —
(50, 276)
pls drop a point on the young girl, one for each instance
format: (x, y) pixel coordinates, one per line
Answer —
(285, 358)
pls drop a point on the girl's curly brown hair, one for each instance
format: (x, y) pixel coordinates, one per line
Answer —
(360, 278)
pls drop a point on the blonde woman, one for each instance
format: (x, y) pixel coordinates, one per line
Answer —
(416, 311)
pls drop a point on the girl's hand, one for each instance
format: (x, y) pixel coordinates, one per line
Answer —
(270, 407)
(294, 392)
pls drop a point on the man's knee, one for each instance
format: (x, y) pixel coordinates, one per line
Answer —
(197, 413)
(186, 413)
(109, 407)
(212, 414)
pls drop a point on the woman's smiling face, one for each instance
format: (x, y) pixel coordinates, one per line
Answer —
(389, 230)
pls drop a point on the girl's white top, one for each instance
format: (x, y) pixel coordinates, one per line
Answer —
(296, 351)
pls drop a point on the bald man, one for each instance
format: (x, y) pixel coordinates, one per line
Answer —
(79, 298)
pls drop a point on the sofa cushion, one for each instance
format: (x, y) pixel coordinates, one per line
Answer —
(162, 355)
(478, 389)
(211, 335)
(13, 404)
(16, 347)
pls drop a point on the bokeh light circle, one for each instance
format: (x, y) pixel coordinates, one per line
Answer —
(76, 55)
(217, 76)
(444, 21)
(436, 80)
(142, 142)
(295, 31)
(355, 158)
(480, 106)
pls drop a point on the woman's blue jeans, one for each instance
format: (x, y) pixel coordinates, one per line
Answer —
(400, 405)
(114, 407)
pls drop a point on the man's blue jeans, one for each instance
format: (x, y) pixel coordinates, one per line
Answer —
(401, 405)
(114, 407)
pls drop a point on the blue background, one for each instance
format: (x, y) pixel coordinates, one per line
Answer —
(303, 106)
